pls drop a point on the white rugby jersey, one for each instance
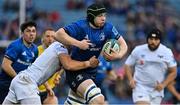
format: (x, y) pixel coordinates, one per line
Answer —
(46, 64)
(150, 66)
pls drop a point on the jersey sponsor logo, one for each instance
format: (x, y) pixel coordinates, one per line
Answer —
(94, 49)
(93, 45)
(160, 56)
(22, 62)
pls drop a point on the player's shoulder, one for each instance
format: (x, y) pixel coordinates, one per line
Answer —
(164, 49)
(16, 43)
(34, 45)
(57, 44)
(108, 25)
(141, 47)
(81, 22)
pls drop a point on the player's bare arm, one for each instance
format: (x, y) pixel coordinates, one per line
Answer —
(173, 90)
(170, 77)
(49, 89)
(74, 65)
(58, 76)
(129, 74)
(6, 65)
(64, 38)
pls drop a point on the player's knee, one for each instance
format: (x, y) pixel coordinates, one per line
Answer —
(98, 100)
(74, 99)
(51, 100)
(93, 95)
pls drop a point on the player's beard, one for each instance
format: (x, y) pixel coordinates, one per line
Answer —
(153, 47)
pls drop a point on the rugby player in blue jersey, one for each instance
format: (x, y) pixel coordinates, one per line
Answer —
(87, 38)
(19, 55)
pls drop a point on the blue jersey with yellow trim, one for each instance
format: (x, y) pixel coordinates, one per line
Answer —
(21, 57)
(82, 30)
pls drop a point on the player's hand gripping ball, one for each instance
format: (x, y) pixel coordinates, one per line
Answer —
(110, 46)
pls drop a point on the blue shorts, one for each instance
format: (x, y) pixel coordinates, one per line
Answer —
(4, 89)
(75, 78)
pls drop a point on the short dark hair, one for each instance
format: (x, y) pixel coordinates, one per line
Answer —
(47, 29)
(27, 24)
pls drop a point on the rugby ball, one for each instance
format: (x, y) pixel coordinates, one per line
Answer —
(112, 43)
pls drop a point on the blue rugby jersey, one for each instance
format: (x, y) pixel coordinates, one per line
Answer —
(102, 69)
(177, 85)
(21, 56)
(81, 30)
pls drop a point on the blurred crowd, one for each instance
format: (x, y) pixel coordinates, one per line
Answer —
(139, 16)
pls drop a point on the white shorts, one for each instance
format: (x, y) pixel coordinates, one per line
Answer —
(22, 87)
(142, 93)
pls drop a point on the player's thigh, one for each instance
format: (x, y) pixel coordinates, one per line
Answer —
(24, 87)
(140, 95)
(84, 85)
(156, 100)
(3, 92)
(29, 101)
(90, 92)
(7, 102)
(140, 98)
(74, 79)
(43, 96)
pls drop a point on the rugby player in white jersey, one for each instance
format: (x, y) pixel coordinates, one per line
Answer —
(24, 87)
(151, 62)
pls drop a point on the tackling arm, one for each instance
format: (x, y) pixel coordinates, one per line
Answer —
(74, 65)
